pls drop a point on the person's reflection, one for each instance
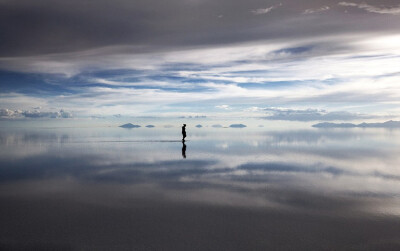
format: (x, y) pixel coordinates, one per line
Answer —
(184, 150)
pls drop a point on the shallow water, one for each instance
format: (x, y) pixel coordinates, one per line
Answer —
(237, 189)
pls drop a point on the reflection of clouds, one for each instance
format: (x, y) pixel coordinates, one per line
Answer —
(362, 150)
(276, 185)
(28, 143)
(278, 167)
(222, 146)
(247, 169)
(270, 185)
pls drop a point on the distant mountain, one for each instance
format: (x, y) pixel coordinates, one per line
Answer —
(150, 126)
(199, 126)
(237, 126)
(129, 125)
(334, 125)
(387, 124)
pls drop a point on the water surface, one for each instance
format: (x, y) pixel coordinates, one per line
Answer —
(224, 189)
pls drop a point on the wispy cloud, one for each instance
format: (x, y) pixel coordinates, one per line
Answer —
(373, 9)
(324, 73)
(225, 107)
(315, 10)
(262, 11)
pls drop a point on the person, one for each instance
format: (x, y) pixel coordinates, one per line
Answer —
(183, 132)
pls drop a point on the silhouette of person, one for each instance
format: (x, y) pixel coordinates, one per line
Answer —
(183, 150)
(183, 132)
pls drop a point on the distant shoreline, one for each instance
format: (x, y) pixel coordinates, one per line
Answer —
(387, 124)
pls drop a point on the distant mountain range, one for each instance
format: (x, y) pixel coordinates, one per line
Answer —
(387, 124)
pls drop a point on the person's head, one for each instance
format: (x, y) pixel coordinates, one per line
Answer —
(184, 125)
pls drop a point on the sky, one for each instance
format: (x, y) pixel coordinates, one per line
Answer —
(305, 60)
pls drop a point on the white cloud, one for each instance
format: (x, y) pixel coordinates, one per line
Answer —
(242, 75)
(6, 113)
(253, 109)
(373, 9)
(36, 113)
(262, 11)
(310, 11)
(18, 101)
(225, 107)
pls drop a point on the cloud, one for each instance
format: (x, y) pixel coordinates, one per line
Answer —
(41, 114)
(147, 26)
(321, 9)
(225, 107)
(36, 113)
(262, 11)
(309, 114)
(373, 9)
(293, 50)
(321, 72)
(6, 113)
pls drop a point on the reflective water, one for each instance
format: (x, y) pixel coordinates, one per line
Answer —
(224, 189)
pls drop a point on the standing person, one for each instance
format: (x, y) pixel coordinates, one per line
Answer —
(183, 132)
